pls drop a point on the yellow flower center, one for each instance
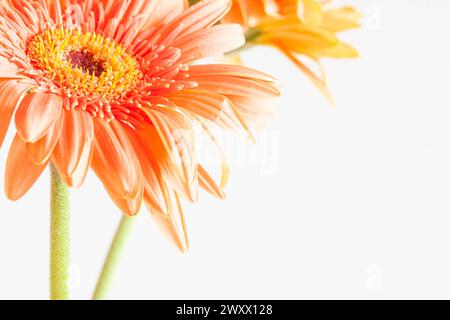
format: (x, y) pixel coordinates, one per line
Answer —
(84, 65)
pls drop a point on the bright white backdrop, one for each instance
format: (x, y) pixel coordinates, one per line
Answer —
(351, 201)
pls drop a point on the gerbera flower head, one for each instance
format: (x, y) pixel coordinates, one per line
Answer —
(298, 28)
(111, 85)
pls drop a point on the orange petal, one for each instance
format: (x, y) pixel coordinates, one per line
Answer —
(10, 94)
(317, 81)
(213, 107)
(127, 206)
(72, 155)
(225, 168)
(115, 162)
(312, 12)
(155, 189)
(254, 9)
(79, 175)
(237, 13)
(208, 184)
(21, 172)
(40, 151)
(36, 115)
(172, 141)
(174, 226)
(341, 19)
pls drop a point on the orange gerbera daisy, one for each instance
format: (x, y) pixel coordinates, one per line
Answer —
(298, 28)
(110, 85)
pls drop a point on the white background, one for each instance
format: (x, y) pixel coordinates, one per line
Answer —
(351, 201)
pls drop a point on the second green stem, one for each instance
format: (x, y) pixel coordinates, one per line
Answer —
(112, 260)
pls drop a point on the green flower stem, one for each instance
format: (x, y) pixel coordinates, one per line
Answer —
(252, 35)
(112, 260)
(60, 238)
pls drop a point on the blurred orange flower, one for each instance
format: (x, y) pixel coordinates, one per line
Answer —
(298, 28)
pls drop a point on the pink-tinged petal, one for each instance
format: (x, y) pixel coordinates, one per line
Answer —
(211, 42)
(72, 155)
(36, 114)
(9, 70)
(200, 16)
(155, 12)
(228, 70)
(40, 151)
(227, 85)
(254, 111)
(21, 172)
(174, 226)
(115, 162)
(11, 92)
